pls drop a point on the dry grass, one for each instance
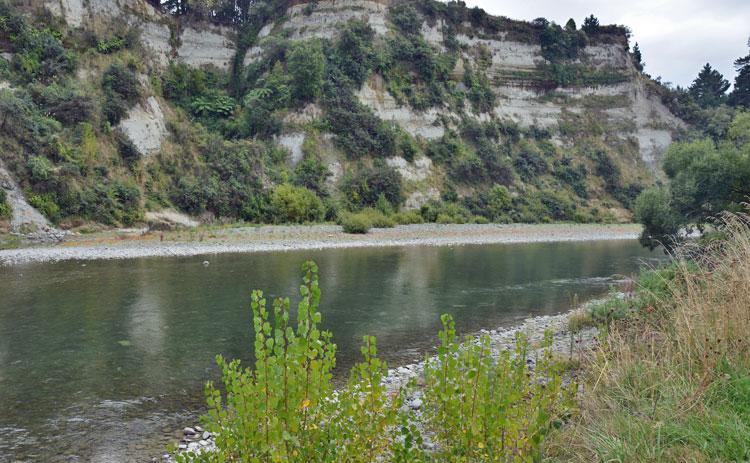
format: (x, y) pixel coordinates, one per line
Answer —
(672, 381)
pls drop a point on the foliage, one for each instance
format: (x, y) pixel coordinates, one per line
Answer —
(284, 408)
(39, 55)
(359, 132)
(637, 57)
(740, 95)
(226, 181)
(654, 210)
(364, 187)
(709, 88)
(483, 407)
(560, 44)
(572, 175)
(306, 66)
(292, 204)
(312, 174)
(213, 103)
(121, 90)
(590, 25)
(356, 223)
(354, 56)
(63, 101)
(5, 209)
(706, 178)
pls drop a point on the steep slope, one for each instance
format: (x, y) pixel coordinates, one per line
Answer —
(353, 103)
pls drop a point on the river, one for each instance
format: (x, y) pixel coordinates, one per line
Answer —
(105, 360)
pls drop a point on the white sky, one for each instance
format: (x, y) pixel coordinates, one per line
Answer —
(677, 37)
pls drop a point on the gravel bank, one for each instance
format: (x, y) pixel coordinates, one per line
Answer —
(195, 439)
(137, 243)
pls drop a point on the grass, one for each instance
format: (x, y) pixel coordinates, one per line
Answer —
(671, 380)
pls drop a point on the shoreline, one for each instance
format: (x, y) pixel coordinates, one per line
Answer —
(133, 244)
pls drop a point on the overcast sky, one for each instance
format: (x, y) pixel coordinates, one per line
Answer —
(677, 37)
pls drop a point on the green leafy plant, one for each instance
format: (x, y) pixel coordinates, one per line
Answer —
(285, 409)
(486, 408)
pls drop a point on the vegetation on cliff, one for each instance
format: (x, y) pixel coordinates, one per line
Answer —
(222, 158)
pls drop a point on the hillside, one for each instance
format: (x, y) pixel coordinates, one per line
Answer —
(112, 111)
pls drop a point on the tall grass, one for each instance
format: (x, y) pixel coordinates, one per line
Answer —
(671, 381)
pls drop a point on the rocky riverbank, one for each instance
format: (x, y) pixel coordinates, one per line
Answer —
(127, 244)
(565, 345)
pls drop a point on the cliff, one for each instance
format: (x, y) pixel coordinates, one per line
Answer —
(480, 101)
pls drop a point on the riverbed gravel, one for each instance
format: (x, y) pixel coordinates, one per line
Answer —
(128, 244)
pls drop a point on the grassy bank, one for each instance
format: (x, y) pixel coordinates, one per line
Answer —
(671, 379)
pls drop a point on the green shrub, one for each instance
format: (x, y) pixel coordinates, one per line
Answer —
(292, 204)
(121, 80)
(284, 407)
(355, 223)
(111, 45)
(445, 212)
(377, 218)
(408, 217)
(45, 204)
(5, 209)
(312, 174)
(482, 406)
(365, 187)
(65, 102)
(306, 66)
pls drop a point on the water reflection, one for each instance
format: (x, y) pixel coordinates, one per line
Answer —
(96, 360)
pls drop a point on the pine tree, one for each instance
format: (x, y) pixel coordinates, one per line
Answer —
(709, 88)
(590, 25)
(740, 96)
(570, 26)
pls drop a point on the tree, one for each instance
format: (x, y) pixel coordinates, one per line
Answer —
(706, 178)
(653, 209)
(570, 26)
(306, 67)
(709, 88)
(740, 96)
(590, 25)
(637, 57)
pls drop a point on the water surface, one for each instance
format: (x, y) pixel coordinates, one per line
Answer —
(104, 360)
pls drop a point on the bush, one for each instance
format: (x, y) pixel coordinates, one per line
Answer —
(284, 407)
(365, 187)
(312, 174)
(661, 224)
(408, 217)
(291, 204)
(5, 209)
(306, 66)
(355, 223)
(488, 407)
(45, 204)
(65, 102)
(121, 80)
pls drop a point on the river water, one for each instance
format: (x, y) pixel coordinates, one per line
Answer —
(105, 360)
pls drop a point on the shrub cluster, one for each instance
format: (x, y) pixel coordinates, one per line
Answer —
(284, 407)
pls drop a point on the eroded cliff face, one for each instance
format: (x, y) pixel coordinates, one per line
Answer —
(625, 107)
(195, 45)
(613, 105)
